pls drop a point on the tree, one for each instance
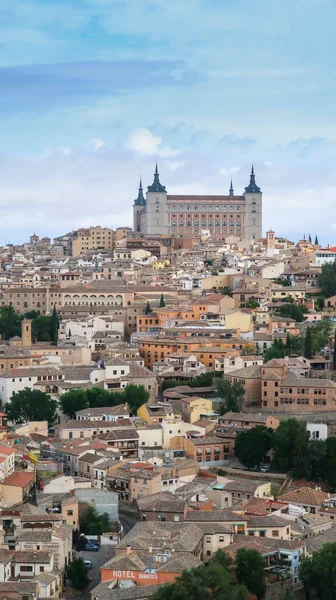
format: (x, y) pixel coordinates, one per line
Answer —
(316, 240)
(214, 581)
(334, 355)
(31, 405)
(252, 445)
(226, 291)
(135, 396)
(291, 447)
(318, 573)
(309, 238)
(72, 401)
(252, 303)
(293, 311)
(10, 322)
(308, 345)
(330, 462)
(276, 350)
(92, 523)
(148, 309)
(250, 571)
(54, 326)
(232, 395)
(41, 329)
(162, 301)
(288, 343)
(248, 350)
(327, 279)
(77, 573)
(317, 459)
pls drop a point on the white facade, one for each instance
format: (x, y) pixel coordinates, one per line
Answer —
(317, 431)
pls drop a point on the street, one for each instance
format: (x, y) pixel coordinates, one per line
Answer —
(97, 559)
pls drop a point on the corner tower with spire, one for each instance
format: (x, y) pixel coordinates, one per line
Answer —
(253, 209)
(139, 209)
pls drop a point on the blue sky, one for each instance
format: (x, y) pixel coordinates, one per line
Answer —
(92, 92)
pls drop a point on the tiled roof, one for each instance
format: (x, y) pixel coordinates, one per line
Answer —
(19, 479)
(304, 496)
(225, 515)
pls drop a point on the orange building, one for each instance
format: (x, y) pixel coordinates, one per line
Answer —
(206, 349)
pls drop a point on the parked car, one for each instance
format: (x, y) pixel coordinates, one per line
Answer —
(91, 547)
(88, 564)
(264, 468)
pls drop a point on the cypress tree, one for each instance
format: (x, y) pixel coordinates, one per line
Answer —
(316, 240)
(288, 343)
(309, 238)
(54, 324)
(308, 346)
(162, 301)
(148, 309)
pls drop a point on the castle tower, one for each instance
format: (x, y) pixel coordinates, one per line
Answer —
(156, 207)
(253, 213)
(270, 241)
(27, 332)
(139, 208)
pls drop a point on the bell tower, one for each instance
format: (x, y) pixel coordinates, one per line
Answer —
(253, 213)
(156, 207)
(139, 208)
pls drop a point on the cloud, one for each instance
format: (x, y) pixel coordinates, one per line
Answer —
(144, 141)
(229, 171)
(97, 144)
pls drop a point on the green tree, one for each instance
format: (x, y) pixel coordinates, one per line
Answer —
(330, 462)
(232, 395)
(288, 343)
(309, 238)
(10, 322)
(148, 309)
(135, 396)
(31, 314)
(72, 401)
(293, 311)
(77, 573)
(248, 350)
(276, 350)
(92, 523)
(287, 595)
(291, 447)
(250, 571)
(31, 405)
(98, 397)
(317, 459)
(54, 326)
(318, 573)
(251, 446)
(252, 303)
(41, 329)
(162, 301)
(327, 279)
(316, 240)
(226, 291)
(308, 345)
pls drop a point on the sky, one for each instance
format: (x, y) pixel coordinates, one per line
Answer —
(93, 92)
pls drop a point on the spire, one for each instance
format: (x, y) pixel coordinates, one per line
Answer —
(231, 190)
(140, 200)
(156, 185)
(252, 188)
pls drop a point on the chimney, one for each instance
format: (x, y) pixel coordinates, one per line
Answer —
(129, 549)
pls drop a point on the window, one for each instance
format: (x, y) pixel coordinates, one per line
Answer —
(275, 532)
(69, 511)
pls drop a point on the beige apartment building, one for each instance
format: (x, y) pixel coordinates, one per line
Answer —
(93, 238)
(274, 387)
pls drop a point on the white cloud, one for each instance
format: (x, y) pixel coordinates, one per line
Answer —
(97, 144)
(145, 142)
(229, 171)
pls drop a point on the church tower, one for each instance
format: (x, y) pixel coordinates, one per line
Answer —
(139, 208)
(253, 212)
(156, 207)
